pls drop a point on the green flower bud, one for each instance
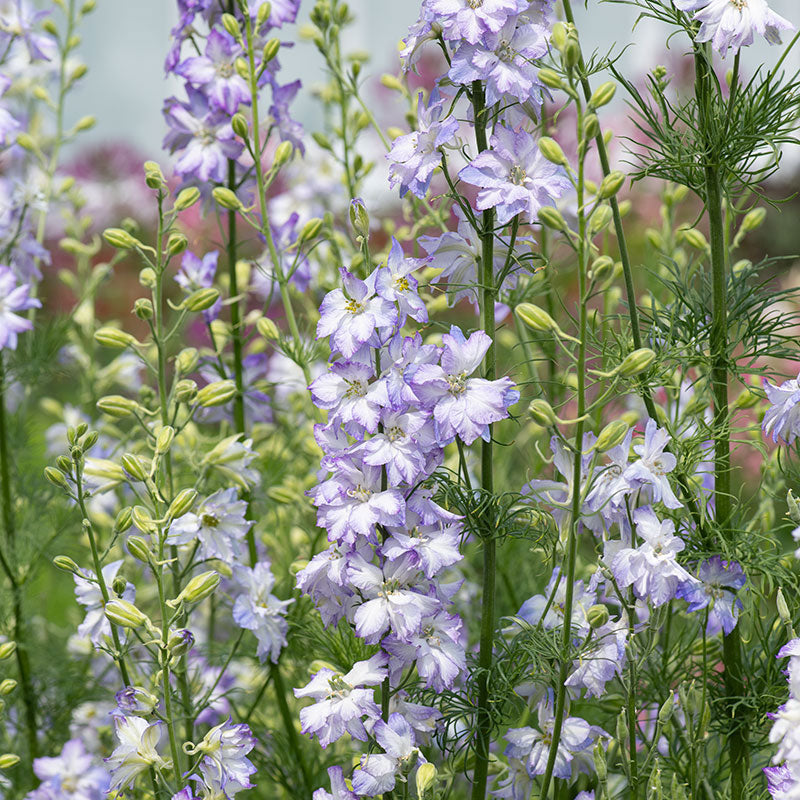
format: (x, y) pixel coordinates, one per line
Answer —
(134, 466)
(7, 649)
(571, 54)
(754, 219)
(126, 615)
(426, 778)
(654, 789)
(201, 299)
(665, 712)
(119, 238)
(603, 94)
(9, 760)
(199, 587)
(783, 608)
(226, 198)
(114, 337)
(283, 152)
(359, 218)
(262, 16)
(56, 477)
(138, 548)
(591, 127)
(600, 764)
(7, 686)
(66, 564)
(550, 78)
(613, 434)
(311, 229)
(153, 176)
(558, 36)
(216, 394)
(535, 318)
(551, 217)
(542, 413)
(231, 25)
(611, 184)
(552, 151)
(270, 50)
(123, 520)
(185, 391)
(142, 520)
(180, 643)
(695, 239)
(268, 329)
(176, 244)
(187, 198)
(143, 308)
(677, 791)
(597, 616)
(187, 360)
(147, 278)
(322, 140)
(164, 439)
(280, 494)
(118, 584)
(239, 125)
(182, 503)
(636, 362)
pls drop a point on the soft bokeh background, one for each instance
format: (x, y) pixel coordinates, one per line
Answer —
(125, 43)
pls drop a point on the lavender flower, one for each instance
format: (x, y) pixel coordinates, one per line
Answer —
(466, 19)
(604, 660)
(716, 590)
(463, 406)
(732, 23)
(258, 610)
(377, 772)
(782, 419)
(134, 700)
(224, 764)
(414, 156)
(13, 297)
(435, 546)
(341, 702)
(395, 284)
(219, 526)
(653, 466)
(357, 318)
(136, 751)
(339, 790)
(72, 775)
(514, 177)
(197, 272)
(95, 625)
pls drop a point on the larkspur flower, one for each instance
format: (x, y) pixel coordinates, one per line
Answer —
(414, 156)
(463, 406)
(505, 61)
(782, 420)
(395, 283)
(14, 297)
(232, 458)
(87, 592)
(650, 471)
(604, 660)
(551, 612)
(514, 177)
(783, 782)
(435, 546)
(651, 568)
(357, 318)
(219, 525)
(72, 775)
(718, 582)
(732, 24)
(400, 359)
(224, 765)
(324, 580)
(134, 700)
(471, 21)
(136, 752)
(258, 610)
(342, 702)
(20, 19)
(9, 125)
(197, 272)
(339, 790)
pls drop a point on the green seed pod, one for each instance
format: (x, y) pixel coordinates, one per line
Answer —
(187, 198)
(636, 362)
(552, 151)
(654, 789)
(603, 94)
(126, 615)
(612, 435)
(600, 764)
(201, 299)
(216, 394)
(665, 712)
(535, 318)
(541, 412)
(226, 198)
(199, 587)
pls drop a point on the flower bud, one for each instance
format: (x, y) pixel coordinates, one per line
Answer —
(136, 700)
(695, 239)
(636, 362)
(600, 765)
(56, 477)
(216, 394)
(665, 712)
(597, 616)
(558, 36)
(114, 337)
(239, 125)
(552, 151)
(119, 238)
(201, 299)
(164, 439)
(126, 615)
(268, 329)
(182, 503)
(7, 686)
(85, 123)
(542, 413)
(753, 219)
(677, 791)
(123, 520)
(226, 198)
(142, 520)
(118, 585)
(550, 78)
(359, 218)
(180, 643)
(611, 184)
(603, 94)
(270, 50)
(783, 608)
(187, 360)
(535, 318)
(283, 495)
(185, 391)
(231, 25)
(571, 54)
(176, 244)
(143, 308)
(426, 778)
(9, 760)
(264, 10)
(138, 548)
(199, 587)
(153, 176)
(134, 466)
(187, 198)
(551, 217)
(147, 278)
(283, 152)
(66, 564)
(613, 434)
(310, 230)
(7, 649)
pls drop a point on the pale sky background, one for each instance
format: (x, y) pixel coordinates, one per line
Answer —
(124, 44)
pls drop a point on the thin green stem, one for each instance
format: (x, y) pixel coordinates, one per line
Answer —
(489, 577)
(288, 724)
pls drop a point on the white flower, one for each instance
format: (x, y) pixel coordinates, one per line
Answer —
(136, 751)
(88, 594)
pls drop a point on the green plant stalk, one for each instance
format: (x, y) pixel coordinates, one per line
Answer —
(489, 577)
(9, 562)
(738, 748)
(572, 540)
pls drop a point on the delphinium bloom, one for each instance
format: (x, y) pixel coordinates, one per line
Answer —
(232, 457)
(95, 625)
(258, 610)
(514, 177)
(136, 752)
(9, 125)
(219, 525)
(466, 19)
(19, 18)
(224, 765)
(782, 420)
(339, 790)
(505, 61)
(342, 702)
(733, 23)
(395, 283)
(718, 582)
(532, 746)
(463, 406)
(651, 568)
(654, 464)
(14, 297)
(603, 661)
(72, 775)
(784, 778)
(197, 272)
(414, 156)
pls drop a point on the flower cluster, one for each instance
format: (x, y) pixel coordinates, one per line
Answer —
(784, 779)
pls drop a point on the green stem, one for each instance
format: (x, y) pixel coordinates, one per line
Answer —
(565, 659)
(288, 724)
(20, 633)
(738, 748)
(488, 297)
